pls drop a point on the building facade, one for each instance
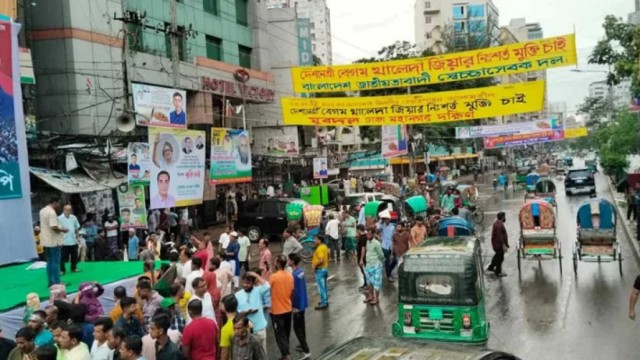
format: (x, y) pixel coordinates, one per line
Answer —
(87, 64)
(319, 14)
(619, 95)
(472, 23)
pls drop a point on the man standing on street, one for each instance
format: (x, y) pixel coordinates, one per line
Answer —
(231, 255)
(282, 287)
(165, 348)
(300, 303)
(200, 336)
(401, 241)
(332, 230)
(133, 243)
(246, 345)
(265, 258)
(373, 257)
(112, 228)
(251, 301)
(51, 237)
(418, 231)
(500, 243)
(291, 244)
(320, 263)
(348, 234)
(387, 229)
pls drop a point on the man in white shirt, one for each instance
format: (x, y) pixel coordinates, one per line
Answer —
(224, 239)
(51, 238)
(100, 348)
(201, 293)
(196, 272)
(70, 241)
(332, 230)
(185, 260)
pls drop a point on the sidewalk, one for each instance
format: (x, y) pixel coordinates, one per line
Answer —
(629, 227)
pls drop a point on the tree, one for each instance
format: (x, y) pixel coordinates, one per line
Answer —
(616, 140)
(619, 50)
(598, 109)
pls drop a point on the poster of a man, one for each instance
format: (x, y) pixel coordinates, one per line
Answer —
(139, 208)
(320, 170)
(134, 168)
(200, 143)
(187, 145)
(125, 218)
(163, 199)
(177, 116)
(139, 163)
(242, 152)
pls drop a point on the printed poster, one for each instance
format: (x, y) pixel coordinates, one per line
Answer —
(534, 138)
(470, 132)
(320, 170)
(133, 211)
(535, 55)
(276, 141)
(96, 202)
(10, 186)
(230, 156)
(177, 167)
(139, 163)
(395, 141)
(160, 106)
(437, 107)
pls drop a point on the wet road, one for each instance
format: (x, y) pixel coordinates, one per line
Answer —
(541, 314)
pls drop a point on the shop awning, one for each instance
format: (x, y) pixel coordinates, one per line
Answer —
(73, 183)
(103, 175)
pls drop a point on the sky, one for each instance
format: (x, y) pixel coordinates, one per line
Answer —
(361, 27)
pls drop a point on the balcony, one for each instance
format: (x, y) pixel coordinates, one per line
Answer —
(431, 11)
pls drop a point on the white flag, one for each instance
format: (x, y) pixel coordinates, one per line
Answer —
(239, 109)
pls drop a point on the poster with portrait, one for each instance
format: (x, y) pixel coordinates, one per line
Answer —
(276, 141)
(133, 211)
(230, 156)
(394, 141)
(139, 163)
(159, 106)
(177, 167)
(320, 169)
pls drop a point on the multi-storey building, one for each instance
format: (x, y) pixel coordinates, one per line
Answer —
(472, 23)
(319, 14)
(82, 53)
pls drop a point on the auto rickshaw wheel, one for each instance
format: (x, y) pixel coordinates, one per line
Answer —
(575, 264)
(620, 261)
(560, 260)
(519, 260)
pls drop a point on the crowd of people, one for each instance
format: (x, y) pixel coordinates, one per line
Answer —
(8, 141)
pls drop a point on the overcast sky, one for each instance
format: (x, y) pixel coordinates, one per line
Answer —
(361, 27)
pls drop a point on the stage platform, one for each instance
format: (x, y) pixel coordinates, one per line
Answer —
(16, 282)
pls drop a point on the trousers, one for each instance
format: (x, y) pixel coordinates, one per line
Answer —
(69, 251)
(300, 329)
(321, 282)
(282, 331)
(390, 261)
(496, 262)
(52, 255)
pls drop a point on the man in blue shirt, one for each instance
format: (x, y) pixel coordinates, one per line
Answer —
(70, 240)
(178, 116)
(300, 303)
(250, 300)
(133, 245)
(387, 229)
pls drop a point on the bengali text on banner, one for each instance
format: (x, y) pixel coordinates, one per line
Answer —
(504, 60)
(533, 138)
(426, 108)
(471, 132)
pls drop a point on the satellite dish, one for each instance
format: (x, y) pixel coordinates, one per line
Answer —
(125, 123)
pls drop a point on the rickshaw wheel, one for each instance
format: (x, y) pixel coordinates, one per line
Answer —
(575, 264)
(519, 260)
(620, 261)
(560, 260)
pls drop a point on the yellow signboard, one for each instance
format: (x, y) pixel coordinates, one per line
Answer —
(415, 109)
(575, 133)
(8, 8)
(482, 63)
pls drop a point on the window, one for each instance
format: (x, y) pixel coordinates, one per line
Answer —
(182, 54)
(476, 10)
(245, 56)
(460, 26)
(269, 207)
(477, 26)
(459, 11)
(214, 47)
(427, 19)
(210, 6)
(427, 4)
(428, 35)
(241, 12)
(135, 37)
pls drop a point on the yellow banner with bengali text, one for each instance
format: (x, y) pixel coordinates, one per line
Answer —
(475, 64)
(575, 133)
(426, 108)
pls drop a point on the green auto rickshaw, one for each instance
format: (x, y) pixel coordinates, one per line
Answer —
(521, 175)
(591, 165)
(441, 292)
(416, 206)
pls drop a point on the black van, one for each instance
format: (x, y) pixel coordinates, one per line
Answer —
(579, 180)
(264, 217)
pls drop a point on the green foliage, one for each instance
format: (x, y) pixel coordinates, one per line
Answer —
(619, 49)
(613, 163)
(598, 109)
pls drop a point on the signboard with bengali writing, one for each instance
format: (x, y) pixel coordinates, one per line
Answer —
(426, 108)
(395, 141)
(230, 156)
(475, 64)
(533, 138)
(470, 132)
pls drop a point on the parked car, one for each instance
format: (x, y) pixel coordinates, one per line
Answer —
(579, 180)
(264, 217)
(400, 349)
(352, 202)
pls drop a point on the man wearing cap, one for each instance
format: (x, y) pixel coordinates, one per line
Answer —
(36, 323)
(177, 321)
(387, 229)
(231, 255)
